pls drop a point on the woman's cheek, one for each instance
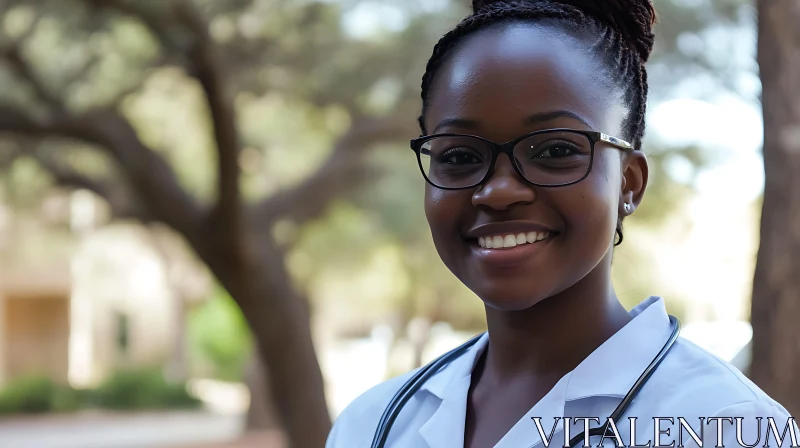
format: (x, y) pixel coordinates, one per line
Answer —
(444, 208)
(442, 213)
(597, 209)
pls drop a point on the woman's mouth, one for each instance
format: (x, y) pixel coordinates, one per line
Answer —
(504, 252)
(507, 244)
(507, 241)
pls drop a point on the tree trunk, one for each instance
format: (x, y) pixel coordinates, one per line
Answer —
(260, 414)
(279, 320)
(776, 284)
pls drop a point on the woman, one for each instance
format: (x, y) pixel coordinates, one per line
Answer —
(563, 82)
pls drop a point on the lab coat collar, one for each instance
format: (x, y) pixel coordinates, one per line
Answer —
(457, 369)
(615, 366)
(620, 361)
(621, 358)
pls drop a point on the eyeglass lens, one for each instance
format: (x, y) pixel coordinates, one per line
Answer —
(550, 158)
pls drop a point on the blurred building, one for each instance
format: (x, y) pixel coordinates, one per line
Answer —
(106, 301)
(34, 320)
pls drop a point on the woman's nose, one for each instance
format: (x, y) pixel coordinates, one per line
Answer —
(504, 187)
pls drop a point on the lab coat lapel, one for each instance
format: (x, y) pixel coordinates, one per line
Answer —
(549, 410)
(445, 428)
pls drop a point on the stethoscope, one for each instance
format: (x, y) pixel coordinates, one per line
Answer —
(418, 379)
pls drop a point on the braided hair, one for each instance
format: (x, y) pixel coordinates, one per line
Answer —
(621, 30)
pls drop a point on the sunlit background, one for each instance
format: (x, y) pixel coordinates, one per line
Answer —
(114, 333)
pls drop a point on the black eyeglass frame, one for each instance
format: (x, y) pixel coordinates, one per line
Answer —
(508, 149)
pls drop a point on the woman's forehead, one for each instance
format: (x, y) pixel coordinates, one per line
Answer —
(502, 75)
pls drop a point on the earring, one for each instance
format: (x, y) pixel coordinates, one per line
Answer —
(627, 208)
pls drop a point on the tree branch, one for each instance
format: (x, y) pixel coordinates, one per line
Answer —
(148, 174)
(205, 65)
(343, 171)
(209, 71)
(123, 203)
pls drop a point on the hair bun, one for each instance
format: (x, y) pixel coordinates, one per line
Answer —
(634, 19)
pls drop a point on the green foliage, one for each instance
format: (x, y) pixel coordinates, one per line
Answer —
(397, 196)
(219, 336)
(37, 394)
(125, 390)
(140, 389)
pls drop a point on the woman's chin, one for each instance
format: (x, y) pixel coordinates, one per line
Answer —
(511, 299)
(508, 305)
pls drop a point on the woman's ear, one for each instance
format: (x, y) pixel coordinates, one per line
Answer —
(635, 173)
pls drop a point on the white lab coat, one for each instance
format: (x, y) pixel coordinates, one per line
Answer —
(690, 383)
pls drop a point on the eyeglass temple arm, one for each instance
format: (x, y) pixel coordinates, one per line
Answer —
(618, 142)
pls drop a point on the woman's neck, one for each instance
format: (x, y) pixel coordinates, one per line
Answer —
(554, 336)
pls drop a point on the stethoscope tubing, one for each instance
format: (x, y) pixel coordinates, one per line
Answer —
(634, 390)
(411, 387)
(414, 383)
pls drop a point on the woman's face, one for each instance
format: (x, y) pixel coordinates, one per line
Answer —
(500, 84)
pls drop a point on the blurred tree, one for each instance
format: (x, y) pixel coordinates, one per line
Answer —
(776, 285)
(105, 94)
(81, 69)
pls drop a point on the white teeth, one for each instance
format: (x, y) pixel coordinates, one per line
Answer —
(498, 241)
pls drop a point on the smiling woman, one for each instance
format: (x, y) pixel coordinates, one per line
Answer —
(533, 114)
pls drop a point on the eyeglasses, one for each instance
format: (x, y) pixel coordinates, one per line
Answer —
(548, 158)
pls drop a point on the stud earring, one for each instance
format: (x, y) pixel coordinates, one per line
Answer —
(627, 208)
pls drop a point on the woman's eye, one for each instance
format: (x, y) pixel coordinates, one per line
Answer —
(555, 151)
(459, 157)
